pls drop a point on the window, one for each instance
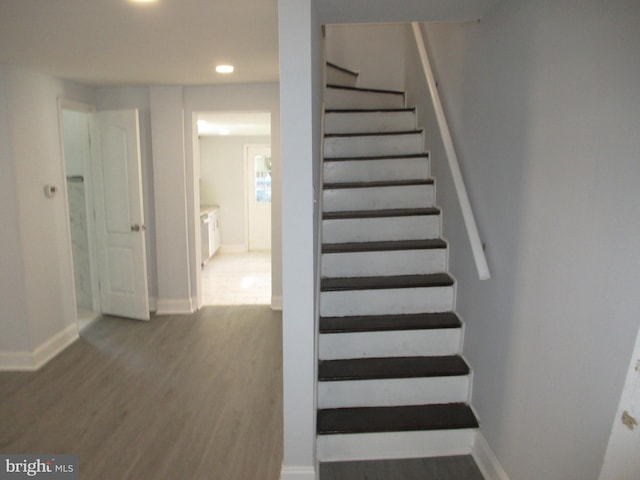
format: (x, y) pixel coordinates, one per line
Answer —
(262, 178)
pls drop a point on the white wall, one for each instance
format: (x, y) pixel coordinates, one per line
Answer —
(544, 104)
(42, 232)
(13, 321)
(223, 182)
(171, 197)
(301, 90)
(375, 51)
(126, 98)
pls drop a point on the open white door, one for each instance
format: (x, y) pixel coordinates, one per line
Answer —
(120, 231)
(258, 168)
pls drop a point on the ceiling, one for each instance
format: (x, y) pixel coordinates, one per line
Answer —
(179, 42)
(116, 42)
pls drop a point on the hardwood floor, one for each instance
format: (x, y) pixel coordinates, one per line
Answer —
(442, 468)
(189, 397)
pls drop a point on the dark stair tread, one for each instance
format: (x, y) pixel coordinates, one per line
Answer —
(386, 323)
(373, 134)
(386, 282)
(383, 246)
(428, 244)
(378, 157)
(343, 69)
(359, 89)
(394, 367)
(381, 183)
(396, 419)
(370, 110)
(398, 212)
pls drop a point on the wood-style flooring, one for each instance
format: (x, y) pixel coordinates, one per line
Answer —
(442, 468)
(180, 397)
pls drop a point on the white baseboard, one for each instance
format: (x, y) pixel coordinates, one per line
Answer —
(234, 248)
(31, 361)
(276, 303)
(486, 460)
(174, 306)
(297, 473)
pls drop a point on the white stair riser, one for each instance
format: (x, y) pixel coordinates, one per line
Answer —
(363, 146)
(386, 302)
(340, 98)
(392, 392)
(371, 264)
(335, 76)
(376, 170)
(378, 198)
(380, 229)
(372, 446)
(350, 122)
(405, 343)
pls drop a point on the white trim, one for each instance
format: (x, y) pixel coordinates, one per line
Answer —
(28, 361)
(458, 181)
(297, 473)
(16, 362)
(174, 306)
(486, 460)
(276, 303)
(56, 344)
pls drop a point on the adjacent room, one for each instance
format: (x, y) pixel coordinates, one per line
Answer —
(235, 207)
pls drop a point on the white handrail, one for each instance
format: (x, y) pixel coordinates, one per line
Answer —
(463, 198)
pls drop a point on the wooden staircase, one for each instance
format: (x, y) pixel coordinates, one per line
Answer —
(391, 379)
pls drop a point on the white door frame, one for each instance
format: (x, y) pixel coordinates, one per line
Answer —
(70, 295)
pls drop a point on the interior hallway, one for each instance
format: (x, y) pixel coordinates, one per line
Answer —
(193, 397)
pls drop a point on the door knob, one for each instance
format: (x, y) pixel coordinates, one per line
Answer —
(137, 228)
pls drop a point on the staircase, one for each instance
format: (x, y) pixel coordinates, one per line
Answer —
(391, 380)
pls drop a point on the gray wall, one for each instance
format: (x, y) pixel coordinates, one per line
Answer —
(544, 103)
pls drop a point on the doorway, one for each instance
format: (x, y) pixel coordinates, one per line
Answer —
(101, 156)
(77, 157)
(235, 181)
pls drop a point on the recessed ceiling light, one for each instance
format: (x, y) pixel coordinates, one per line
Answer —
(143, 1)
(224, 68)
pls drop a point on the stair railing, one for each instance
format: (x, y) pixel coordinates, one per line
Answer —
(467, 213)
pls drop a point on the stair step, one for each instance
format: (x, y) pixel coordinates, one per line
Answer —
(386, 323)
(383, 169)
(351, 247)
(391, 367)
(395, 212)
(367, 120)
(389, 262)
(395, 419)
(367, 196)
(388, 445)
(377, 157)
(374, 143)
(340, 96)
(341, 76)
(384, 282)
(379, 183)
